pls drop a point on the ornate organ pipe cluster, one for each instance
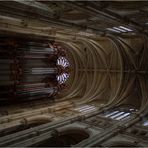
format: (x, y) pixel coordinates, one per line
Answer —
(31, 70)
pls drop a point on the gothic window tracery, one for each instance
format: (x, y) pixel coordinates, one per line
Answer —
(85, 109)
(119, 114)
(62, 61)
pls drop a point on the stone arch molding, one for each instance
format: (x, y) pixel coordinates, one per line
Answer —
(66, 137)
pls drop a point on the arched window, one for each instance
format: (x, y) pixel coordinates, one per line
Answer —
(119, 114)
(62, 61)
(85, 108)
(62, 78)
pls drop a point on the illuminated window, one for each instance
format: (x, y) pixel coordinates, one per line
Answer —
(110, 114)
(85, 34)
(120, 29)
(145, 123)
(119, 115)
(62, 61)
(123, 116)
(85, 108)
(125, 28)
(62, 78)
(110, 29)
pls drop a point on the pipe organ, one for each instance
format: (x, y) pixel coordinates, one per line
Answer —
(31, 70)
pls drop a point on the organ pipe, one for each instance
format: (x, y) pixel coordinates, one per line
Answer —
(29, 69)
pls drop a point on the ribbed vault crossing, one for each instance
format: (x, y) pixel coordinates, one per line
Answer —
(110, 70)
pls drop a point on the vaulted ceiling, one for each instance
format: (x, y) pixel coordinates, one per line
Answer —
(107, 44)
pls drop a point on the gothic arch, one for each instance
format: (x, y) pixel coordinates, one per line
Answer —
(65, 138)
